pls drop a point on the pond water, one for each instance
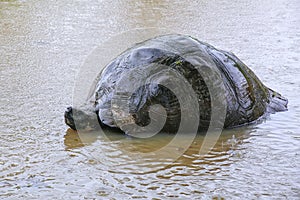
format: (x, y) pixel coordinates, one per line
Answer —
(43, 45)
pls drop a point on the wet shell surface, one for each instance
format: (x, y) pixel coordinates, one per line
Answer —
(172, 80)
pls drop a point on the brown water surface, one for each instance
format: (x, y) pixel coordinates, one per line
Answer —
(42, 46)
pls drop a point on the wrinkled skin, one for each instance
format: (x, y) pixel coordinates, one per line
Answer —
(246, 98)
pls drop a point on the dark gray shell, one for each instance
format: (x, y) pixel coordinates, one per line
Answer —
(246, 97)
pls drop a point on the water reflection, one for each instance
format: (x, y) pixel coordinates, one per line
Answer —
(124, 154)
(43, 44)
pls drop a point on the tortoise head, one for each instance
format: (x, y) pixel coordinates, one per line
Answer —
(81, 119)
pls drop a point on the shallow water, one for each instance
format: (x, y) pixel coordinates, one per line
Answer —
(44, 43)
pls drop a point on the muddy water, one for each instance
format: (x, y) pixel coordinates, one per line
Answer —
(44, 43)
